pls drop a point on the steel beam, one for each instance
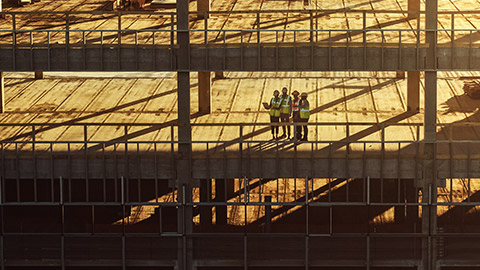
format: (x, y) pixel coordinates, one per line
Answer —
(205, 211)
(413, 8)
(231, 58)
(429, 183)
(431, 71)
(203, 7)
(224, 188)
(2, 93)
(38, 75)
(204, 92)
(219, 75)
(413, 91)
(184, 164)
(268, 215)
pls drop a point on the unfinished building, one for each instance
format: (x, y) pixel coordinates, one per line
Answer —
(169, 165)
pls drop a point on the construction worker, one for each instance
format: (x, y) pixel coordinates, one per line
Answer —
(274, 107)
(285, 112)
(304, 114)
(296, 114)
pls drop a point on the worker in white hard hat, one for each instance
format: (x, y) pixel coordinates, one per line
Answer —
(285, 112)
(274, 107)
(304, 114)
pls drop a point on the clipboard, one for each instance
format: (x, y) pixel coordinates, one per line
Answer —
(265, 105)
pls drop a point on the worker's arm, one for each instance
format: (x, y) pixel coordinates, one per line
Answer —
(304, 104)
(267, 105)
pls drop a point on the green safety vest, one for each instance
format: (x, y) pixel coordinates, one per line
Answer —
(285, 109)
(305, 112)
(275, 109)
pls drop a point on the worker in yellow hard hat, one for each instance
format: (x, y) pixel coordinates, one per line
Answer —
(304, 114)
(274, 107)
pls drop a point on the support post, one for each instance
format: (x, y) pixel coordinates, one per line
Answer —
(205, 210)
(219, 75)
(429, 183)
(203, 7)
(268, 215)
(413, 8)
(204, 92)
(38, 75)
(411, 195)
(184, 163)
(2, 93)
(399, 210)
(413, 91)
(224, 189)
(220, 196)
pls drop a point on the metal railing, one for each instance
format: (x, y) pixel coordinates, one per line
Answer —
(154, 160)
(128, 132)
(260, 37)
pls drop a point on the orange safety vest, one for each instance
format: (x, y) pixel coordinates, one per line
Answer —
(295, 105)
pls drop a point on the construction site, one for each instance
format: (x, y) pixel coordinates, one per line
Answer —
(133, 136)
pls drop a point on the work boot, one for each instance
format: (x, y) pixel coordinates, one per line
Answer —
(282, 137)
(304, 139)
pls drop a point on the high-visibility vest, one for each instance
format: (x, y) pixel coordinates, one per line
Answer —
(275, 109)
(295, 105)
(305, 112)
(285, 109)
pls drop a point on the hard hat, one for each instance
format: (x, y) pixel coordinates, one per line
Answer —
(304, 95)
(295, 93)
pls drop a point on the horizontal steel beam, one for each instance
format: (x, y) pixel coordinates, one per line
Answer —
(251, 58)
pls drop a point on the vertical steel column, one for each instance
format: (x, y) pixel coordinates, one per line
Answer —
(203, 7)
(119, 41)
(67, 38)
(220, 196)
(413, 8)
(429, 187)
(38, 75)
(219, 74)
(2, 93)
(431, 71)
(184, 165)
(204, 92)
(205, 210)
(413, 91)
(268, 214)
